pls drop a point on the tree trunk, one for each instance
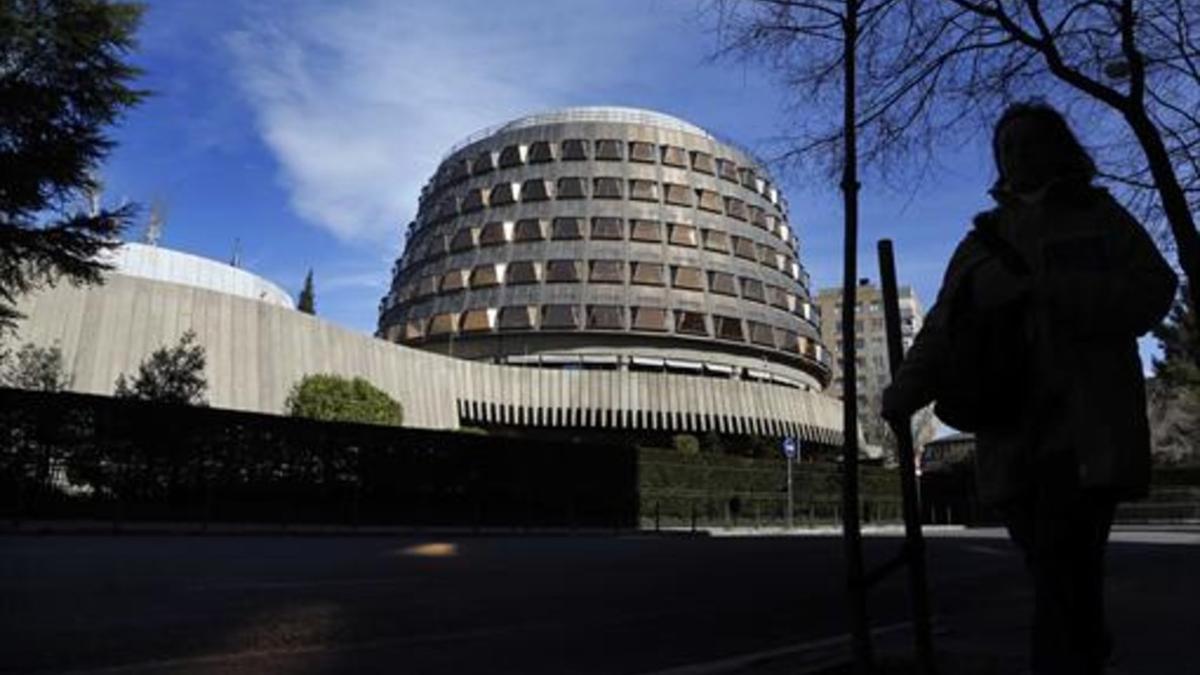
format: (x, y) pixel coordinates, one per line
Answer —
(1174, 202)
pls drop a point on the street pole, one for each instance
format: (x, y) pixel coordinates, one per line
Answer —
(789, 503)
(914, 540)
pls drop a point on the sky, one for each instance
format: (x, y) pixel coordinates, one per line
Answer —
(299, 133)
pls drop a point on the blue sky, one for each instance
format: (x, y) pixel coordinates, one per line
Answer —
(305, 129)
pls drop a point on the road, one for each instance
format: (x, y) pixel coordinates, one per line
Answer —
(584, 604)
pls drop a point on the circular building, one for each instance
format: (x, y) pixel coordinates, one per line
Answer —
(607, 238)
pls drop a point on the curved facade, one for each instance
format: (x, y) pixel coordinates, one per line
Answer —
(607, 238)
(163, 264)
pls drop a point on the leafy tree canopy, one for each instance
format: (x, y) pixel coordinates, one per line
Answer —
(170, 375)
(63, 80)
(34, 367)
(339, 399)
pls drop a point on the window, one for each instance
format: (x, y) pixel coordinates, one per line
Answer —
(571, 188)
(722, 283)
(710, 201)
(484, 275)
(766, 255)
(540, 152)
(443, 324)
(535, 190)
(528, 229)
(778, 297)
(492, 234)
(716, 240)
(574, 149)
(727, 169)
(744, 248)
(650, 318)
(510, 156)
(607, 272)
(463, 240)
(683, 235)
(562, 271)
(641, 152)
(673, 155)
(752, 289)
(483, 163)
(729, 328)
(748, 177)
(502, 194)
(646, 230)
(606, 317)
(690, 323)
(761, 334)
(457, 171)
(517, 317)
(680, 195)
(757, 218)
(607, 188)
(735, 208)
(643, 190)
(414, 329)
(703, 162)
(561, 317)
(691, 278)
(454, 280)
(788, 341)
(475, 321)
(648, 274)
(438, 246)
(566, 229)
(609, 149)
(604, 227)
(521, 272)
(446, 209)
(428, 286)
(474, 200)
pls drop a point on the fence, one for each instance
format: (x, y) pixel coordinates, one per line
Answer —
(80, 456)
(714, 490)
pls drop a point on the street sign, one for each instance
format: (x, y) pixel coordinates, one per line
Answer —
(789, 447)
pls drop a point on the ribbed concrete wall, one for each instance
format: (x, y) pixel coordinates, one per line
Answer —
(258, 351)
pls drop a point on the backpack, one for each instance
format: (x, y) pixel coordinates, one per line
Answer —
(984, 374)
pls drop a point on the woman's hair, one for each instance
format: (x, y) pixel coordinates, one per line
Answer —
(1066, 157)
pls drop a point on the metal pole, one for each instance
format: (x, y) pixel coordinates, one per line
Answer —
(789, 501)
(914, 540)
(851, 532)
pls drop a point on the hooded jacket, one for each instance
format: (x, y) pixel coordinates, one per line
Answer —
(1098, 283)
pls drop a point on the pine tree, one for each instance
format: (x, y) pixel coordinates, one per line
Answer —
(63, 80)
(1179, 340)
(308, 300)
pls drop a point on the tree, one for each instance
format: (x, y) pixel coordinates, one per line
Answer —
(1179, 339)
(36, 368)
(169, 375)
(308, 301)
(339, 399)
(63, 80)
(934, 70)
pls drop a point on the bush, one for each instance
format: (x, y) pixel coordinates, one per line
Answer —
(686, 444)
(333, 398)
(169, 375)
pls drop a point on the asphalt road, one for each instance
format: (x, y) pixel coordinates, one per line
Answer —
(178, 604)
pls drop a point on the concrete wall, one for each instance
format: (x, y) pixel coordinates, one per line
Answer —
(258, 351)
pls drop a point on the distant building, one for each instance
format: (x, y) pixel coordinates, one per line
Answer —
(871, 356)
(587, 269)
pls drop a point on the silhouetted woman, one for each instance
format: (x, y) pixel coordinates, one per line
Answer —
(1077, 280)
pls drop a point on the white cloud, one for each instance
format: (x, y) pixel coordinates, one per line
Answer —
(358, 101)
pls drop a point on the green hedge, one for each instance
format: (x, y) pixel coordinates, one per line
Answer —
(721, 488)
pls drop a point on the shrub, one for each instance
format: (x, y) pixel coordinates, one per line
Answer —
(338, 399)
